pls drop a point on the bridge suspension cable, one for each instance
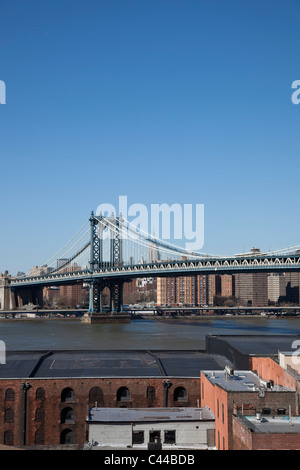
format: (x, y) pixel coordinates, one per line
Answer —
(144, 239)
(51, 265)
(136, 247)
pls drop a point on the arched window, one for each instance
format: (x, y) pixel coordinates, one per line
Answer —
(10, 394)
(67, 395)
(9, 438)
(67, 437)
(123, 394)
(67, 415)
(96, 397)
(180, 394)
(9, 415)
(40, 394)
(40, 415)
(151, 393)
(39, 437)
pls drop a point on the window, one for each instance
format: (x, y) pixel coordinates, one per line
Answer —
(67, 437)
(67, 395)
(39, 437)
(40, 415)
(40, 394)
(180, 394)
(154, 436)
(210, 435)
(123, 394)
(151, 393)
(138, 437)
(96, 396)
(9, 415)
(266, 411)
(67, 415)
(9, 394)
(170, 437)
(9, 438)
(281, 411)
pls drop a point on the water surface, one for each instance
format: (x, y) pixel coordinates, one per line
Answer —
(139, 334)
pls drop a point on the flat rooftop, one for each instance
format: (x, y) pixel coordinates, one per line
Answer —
(276, 424)
(259, 344)
(240, 348)
(141, 415)
(241, 381)
(115, 363)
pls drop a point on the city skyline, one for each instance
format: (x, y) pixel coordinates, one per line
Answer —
(186, 103)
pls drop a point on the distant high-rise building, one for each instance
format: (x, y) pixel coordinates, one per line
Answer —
(292, 287)
(153, 252)
(276, 287)
(40, 270)
(61, 262)
(51, 296)
(251, 289)
(227, 285)
(198, 290)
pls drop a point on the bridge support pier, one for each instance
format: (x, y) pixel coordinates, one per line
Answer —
(28, 296)
(13, 298)
(96, 313)
(7, 296)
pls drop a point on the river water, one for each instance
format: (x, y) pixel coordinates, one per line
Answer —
(67, 334)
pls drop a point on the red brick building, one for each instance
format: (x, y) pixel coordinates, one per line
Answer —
(231, 393)
(45, 397)
(274, 433)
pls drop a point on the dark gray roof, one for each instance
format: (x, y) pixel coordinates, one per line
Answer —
(264, 344)
(239, 348)
(116, 363)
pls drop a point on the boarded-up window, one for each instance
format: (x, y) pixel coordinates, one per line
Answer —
(210, 436)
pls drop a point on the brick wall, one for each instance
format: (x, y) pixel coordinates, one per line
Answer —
(268, 369)
(45, 407)
(244, 439)
(225, 403)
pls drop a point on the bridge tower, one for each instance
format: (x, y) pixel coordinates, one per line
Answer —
(96, 313)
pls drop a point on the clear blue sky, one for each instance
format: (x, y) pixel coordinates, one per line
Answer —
(165, 101)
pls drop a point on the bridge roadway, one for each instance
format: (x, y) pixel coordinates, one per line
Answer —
(205, 265)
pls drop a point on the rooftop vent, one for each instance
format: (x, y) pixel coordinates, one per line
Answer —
(229, 372)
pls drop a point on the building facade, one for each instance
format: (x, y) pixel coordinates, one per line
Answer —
(198, 290)
(251, 289)
(231, 393)
(45, 397)
(139, 428)
(276, 288)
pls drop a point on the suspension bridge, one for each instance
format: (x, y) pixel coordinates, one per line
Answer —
(108, 251)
